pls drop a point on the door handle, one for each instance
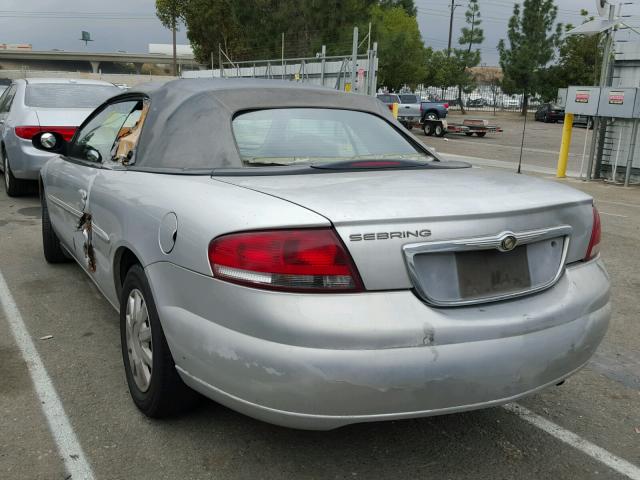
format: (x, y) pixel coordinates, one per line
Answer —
(83, 193)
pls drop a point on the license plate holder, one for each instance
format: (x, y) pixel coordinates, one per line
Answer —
(486, 273)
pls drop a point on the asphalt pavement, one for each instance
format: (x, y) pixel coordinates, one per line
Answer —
(75, 336)
(539, 149)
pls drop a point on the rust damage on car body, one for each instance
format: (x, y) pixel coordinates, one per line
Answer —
(85, 226)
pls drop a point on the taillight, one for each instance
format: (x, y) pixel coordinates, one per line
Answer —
(596, 233)
(309, 260)
(28, 131)
(446, 105)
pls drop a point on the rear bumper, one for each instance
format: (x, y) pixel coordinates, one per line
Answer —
(460, 359)
(25, 160)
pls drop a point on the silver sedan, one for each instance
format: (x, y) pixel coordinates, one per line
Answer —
(35, 104)
(295, 254)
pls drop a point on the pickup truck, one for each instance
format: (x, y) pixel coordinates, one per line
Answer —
(409, 107)
(411, 111)
(433, 110)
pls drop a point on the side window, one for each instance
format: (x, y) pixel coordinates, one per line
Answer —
(7, 99)
(127, 140)
(97, 138)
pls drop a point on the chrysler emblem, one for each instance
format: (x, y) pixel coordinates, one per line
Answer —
(508, 243)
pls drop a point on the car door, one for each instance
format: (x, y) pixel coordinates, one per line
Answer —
(70, 178)
(110, 200)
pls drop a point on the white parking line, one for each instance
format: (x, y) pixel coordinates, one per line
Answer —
(613, 214)
(600, 454)
(66, 441)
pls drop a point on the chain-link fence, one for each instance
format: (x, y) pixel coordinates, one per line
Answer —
(489, 98)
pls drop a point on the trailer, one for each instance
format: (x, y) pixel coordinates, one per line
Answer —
(468, 127)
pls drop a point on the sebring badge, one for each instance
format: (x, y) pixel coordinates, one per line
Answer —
(358, 237)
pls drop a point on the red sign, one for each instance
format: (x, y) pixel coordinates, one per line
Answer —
(582, 96)
(616, 97)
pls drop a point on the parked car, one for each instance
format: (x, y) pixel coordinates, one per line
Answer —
(510, 103)
(549, 113)
(297, 256)
(31, 105)
(477, 102)
(409, 109)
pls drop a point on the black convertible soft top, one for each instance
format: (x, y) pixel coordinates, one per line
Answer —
(188, 127)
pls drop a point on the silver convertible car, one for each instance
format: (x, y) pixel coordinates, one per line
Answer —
(295, 254)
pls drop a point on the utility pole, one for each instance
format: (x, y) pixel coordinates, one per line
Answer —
(283, 55)
(220, 60)
(354, 59)
(599, 124)
(175, 57)
(453, 7)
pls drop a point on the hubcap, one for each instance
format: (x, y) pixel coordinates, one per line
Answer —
(139, 341)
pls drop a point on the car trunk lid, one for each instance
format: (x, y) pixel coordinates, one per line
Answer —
(390, 221)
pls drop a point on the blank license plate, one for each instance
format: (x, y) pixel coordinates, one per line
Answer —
(484, 273)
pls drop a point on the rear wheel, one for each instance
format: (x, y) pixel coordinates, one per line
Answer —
(154, 384)
(428, 129)
(481, 134)
(439, 131)
(431, 116)
(468, 134)
(14, 186)
(53, 251)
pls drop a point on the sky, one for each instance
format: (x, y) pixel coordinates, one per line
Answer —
(130, 25)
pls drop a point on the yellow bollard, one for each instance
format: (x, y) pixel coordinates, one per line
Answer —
(564, 147)
(394, 110)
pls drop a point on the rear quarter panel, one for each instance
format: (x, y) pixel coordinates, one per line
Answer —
(129, 206)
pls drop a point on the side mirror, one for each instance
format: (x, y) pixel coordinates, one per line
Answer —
(93, 155)
(49, 142)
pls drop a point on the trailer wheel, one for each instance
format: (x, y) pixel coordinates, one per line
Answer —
(481, 134)
(428, 129)
(439, 131)
(468, 134)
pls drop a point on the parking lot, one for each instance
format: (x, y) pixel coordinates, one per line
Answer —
(541, 143)
(595, 415)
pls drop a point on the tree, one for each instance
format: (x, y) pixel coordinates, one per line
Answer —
(441, 69)
(532, 44)
(467, 57)
(252, 29)
(400, 47)
(579, 62)
(169, 12)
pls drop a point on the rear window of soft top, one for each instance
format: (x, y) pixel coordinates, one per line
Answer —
(287, 136)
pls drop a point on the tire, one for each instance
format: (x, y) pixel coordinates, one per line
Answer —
(590, 124)
(481, 134)
(431, 116)
(13, 186)
(53, 251)
(438, 131)
(468, 134)
(157, 391)
(428, 129)
(545, 119)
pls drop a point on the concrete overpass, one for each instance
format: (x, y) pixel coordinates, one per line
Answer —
(95, 58)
